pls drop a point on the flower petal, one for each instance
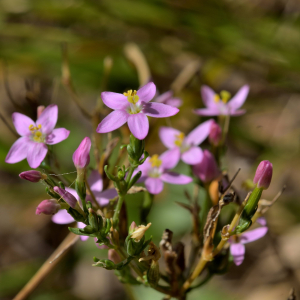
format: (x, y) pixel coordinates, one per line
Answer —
(114, 100)
(168, 136)
(73, 192)
(238, 100)
(175, 178)
(199, 134)
(138, 125)
(104, 197)
(22, 123)
(62, 217)
(82, 225)
(159, 110)
(176, 102)
(237, 250)
(145, 167)
(147, 92)
(192, 156)
(57, 136)
(238, 112)
(36, 154)
(209, 112)
(154, 185)
(261, 221)
(170, 158)
(164, 97)
(253, 235)
(95, 181)
(48, 118)
(113, 121)
(18, 150)
(208, 96)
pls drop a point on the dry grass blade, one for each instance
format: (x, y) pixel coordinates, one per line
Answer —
(48, 265)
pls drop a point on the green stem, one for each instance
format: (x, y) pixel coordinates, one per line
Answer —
(118, 209)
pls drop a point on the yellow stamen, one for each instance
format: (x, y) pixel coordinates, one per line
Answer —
(179, 139)
(217, 98)
(39, 126)
(225, 96)
(155, 161)
(31, 127)
(132, 97)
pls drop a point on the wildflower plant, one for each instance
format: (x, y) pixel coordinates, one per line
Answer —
(96, 199)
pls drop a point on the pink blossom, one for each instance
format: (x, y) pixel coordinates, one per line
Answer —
(133, 107)
(35, 136)
(96, 184)
(81, 156)
(237, 248)
(47, 207)
(263, 175)
(186, 146)
(207, 170)
(167, 98)
(33, 175)
(220, 105)
(155, 172)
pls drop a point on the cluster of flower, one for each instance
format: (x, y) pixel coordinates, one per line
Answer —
(134, 107)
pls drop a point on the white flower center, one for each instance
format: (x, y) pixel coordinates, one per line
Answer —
(155, 162)
(133, 99)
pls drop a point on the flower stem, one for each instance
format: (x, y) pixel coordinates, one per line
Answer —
(118, 209)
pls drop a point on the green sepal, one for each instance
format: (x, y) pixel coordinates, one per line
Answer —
(134, 179)
(109, 175)
(106, 264)
(134, 248)
(52, 194)
(78, 231)
(76, 215)
(61, 184)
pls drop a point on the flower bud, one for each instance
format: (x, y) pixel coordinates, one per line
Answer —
(207, 170)
(153, 273)
(81, 156)
(40, 109)
(114, 256)
(263, 174)
(47, 207)
(68, 197)
(33, 176)
(215, 134)
(132, 227)
(139, 232)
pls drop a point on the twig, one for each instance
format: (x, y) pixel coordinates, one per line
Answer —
(48, 265)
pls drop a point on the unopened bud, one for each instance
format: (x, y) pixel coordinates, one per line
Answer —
(215, 134)
(139, 232)
(40, 109)
(114, 256)
(153, 273)
(81, 156)
(47, 207)
(68, 197)
(207, 170)
(33, 176)
(132, 227)
(263, 175)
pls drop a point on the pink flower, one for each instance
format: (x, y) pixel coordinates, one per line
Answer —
(133, 107)
(220, 105)
(155, 172)
(167, 98)
(47, 207)
(81, 156)
(35, 136)
(263, 175)
(96, 184)
(207, 170)
(67, 196)
(237, 248)
(185, 146)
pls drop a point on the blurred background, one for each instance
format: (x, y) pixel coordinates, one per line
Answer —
(222, 43)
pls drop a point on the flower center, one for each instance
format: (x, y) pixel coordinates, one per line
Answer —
(179, 139)
(224, 97)
(36, 134)
(132, 97)
(155, 161)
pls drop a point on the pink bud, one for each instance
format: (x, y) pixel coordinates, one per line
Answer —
(207, 170)
(47, 207)
(215, 134)
(33, 176)
(114, 256)
(40, 109)
(132, 227)
(68, 197)
(81, 156)
(263, 174)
